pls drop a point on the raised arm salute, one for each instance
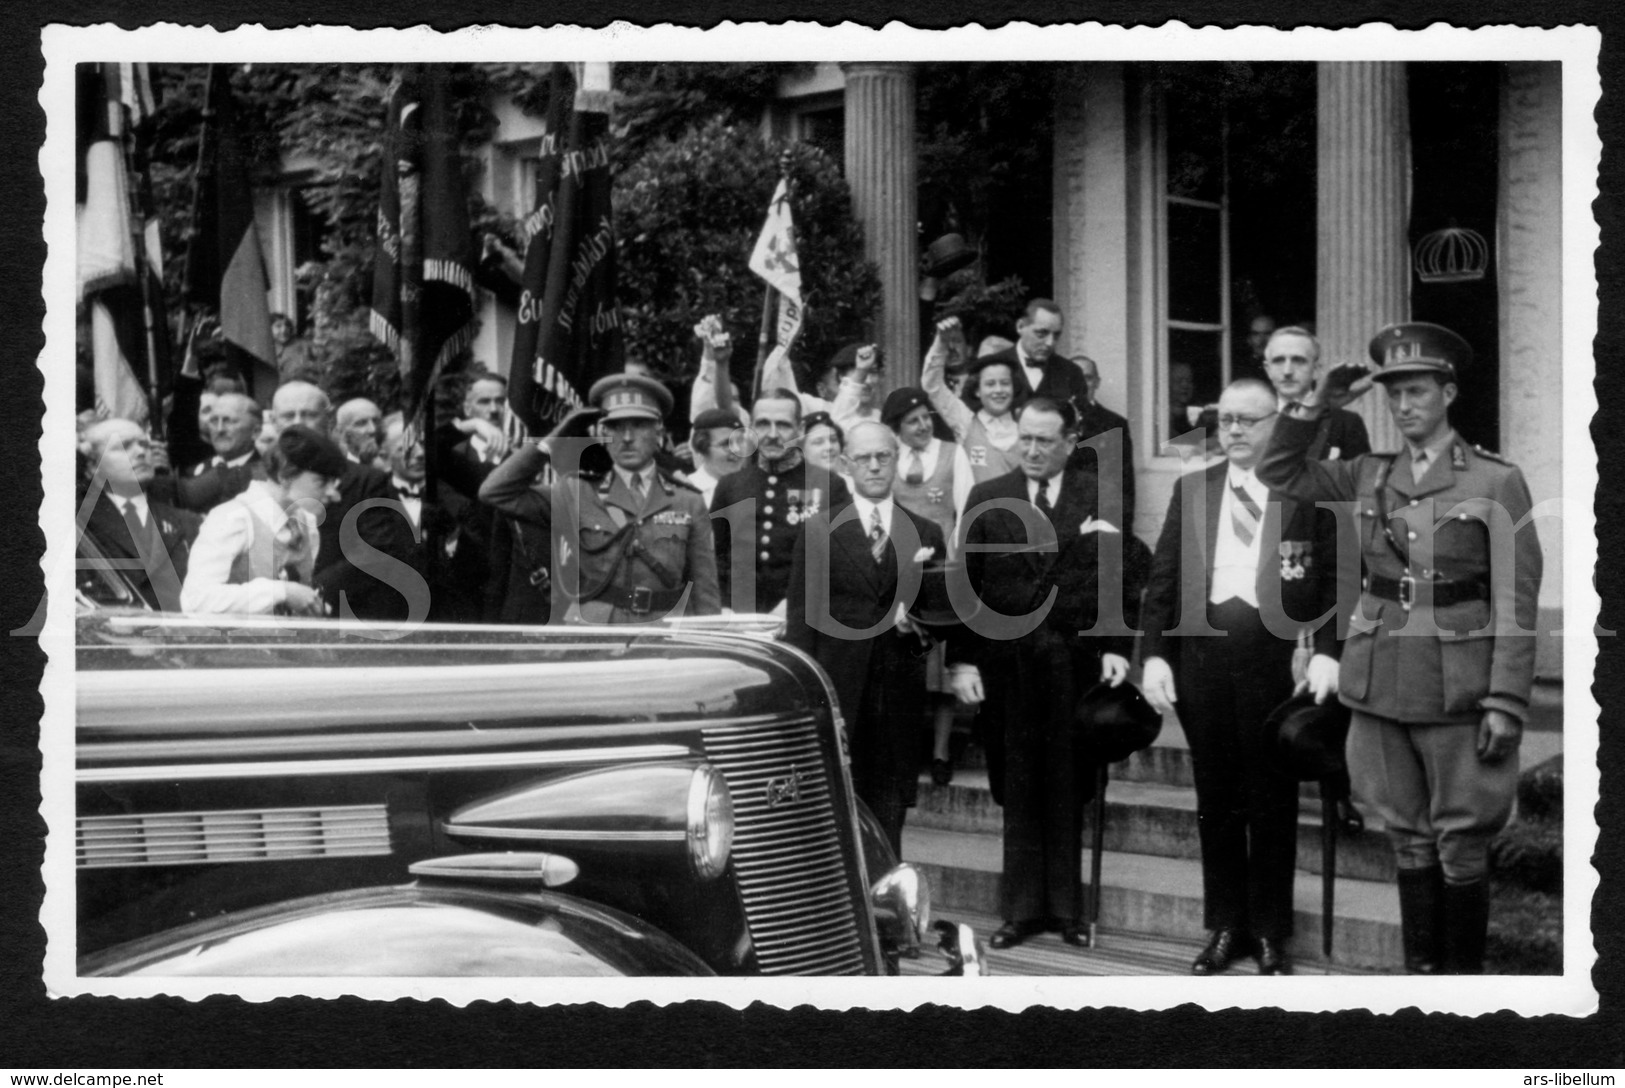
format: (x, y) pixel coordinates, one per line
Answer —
(1440, 657)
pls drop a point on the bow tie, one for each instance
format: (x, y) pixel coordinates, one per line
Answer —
(410, 491)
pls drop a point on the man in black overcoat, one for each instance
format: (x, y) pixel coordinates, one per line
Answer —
(1028, 534)
(869, 567)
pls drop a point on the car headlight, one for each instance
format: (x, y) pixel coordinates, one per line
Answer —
(710, 822)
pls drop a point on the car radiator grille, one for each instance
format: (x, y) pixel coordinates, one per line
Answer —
(208, 838)
(787, 852)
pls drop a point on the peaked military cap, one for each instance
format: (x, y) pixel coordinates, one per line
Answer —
(630, 396)
(1417, 347)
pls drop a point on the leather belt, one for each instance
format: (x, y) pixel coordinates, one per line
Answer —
(641, 600)
(1445, 592)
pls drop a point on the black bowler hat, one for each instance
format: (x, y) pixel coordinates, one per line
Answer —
(933, 609)
(946, 256)
(1312, 735)
(1417, 347)
(900, 403)
(1114, 723)
(308, 450)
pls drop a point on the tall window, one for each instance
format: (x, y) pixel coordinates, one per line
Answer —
(1193, 165)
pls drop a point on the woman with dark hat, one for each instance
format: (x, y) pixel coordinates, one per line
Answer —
(256, 553)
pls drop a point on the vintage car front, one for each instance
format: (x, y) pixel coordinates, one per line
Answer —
(266, 796)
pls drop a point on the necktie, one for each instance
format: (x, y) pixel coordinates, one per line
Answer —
(1042, 500)
(877, 536)
(1419, 465)
(132, 518)
(1244, 514)
(637, 484)
(916, 468)
(292, 537)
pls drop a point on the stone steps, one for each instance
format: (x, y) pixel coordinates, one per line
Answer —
(1148, 818)
(1162, 897)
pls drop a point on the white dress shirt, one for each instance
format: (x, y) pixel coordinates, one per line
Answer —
(866, 512)
(138, 502)
(223, 462)
(1235, 565)
(928, 459)
(1052, 488)
(226, 533)
(1034, 372)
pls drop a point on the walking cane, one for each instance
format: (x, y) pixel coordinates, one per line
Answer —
(1097, 847)
(1328, 865)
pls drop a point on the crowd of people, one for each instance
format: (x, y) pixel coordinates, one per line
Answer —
(849, 515)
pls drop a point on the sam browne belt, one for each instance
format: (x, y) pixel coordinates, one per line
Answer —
(1446, 592)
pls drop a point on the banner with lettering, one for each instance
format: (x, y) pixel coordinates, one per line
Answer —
(569, 329)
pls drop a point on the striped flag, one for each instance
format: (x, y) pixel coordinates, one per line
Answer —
(423, 271)
(569, 330)
(225, 266)
(115, 274)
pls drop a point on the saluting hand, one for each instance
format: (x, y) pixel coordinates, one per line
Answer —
(1343, 383)
(1499, 735)
(1158, 682)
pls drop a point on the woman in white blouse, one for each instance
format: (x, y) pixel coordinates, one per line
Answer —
(986, 436)
(257, 552)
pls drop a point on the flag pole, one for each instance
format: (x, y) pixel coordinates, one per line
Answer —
(137, 220)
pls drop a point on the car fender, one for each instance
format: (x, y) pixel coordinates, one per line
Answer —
(423, 930)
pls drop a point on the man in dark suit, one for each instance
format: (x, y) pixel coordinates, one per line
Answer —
(1029, 658)
(1255, 565)
(1292, 362)
(862, 571)
(1037, 369)
(147, 538)
(1096, 419)
(362, 571)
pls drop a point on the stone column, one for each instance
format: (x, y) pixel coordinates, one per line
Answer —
(1530, 271)
(1363, 186)
(880, 167)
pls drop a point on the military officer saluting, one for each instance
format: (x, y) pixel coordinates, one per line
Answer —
(1440, 656)
(641, 541)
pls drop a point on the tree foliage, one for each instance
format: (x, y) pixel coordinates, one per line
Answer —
(689, 210)
(693, 184)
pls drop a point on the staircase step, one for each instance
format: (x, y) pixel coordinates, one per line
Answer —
(1148, 818)
(1116, 952)
(1162, 896)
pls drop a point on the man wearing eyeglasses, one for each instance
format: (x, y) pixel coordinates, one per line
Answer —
(1028, 534)
(1440, 658)
(854, 573)
(1254, 553)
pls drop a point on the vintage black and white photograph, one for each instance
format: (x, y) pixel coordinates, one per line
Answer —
(1058, 515)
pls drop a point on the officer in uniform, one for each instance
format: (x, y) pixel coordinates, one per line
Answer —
(640, 539)
(1440, 655)
(771, 498)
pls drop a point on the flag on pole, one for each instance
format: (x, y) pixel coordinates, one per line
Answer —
(423, 273)
(225, 266)
(569, 329)
(775, 260)
(111, 281)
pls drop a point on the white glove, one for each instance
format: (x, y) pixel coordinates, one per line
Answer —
(1113, 669)
(1321, 677)
(1158, 682)
(967, 684)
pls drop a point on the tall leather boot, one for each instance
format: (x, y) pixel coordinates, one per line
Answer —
(1420, 905)
(1466, 925)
